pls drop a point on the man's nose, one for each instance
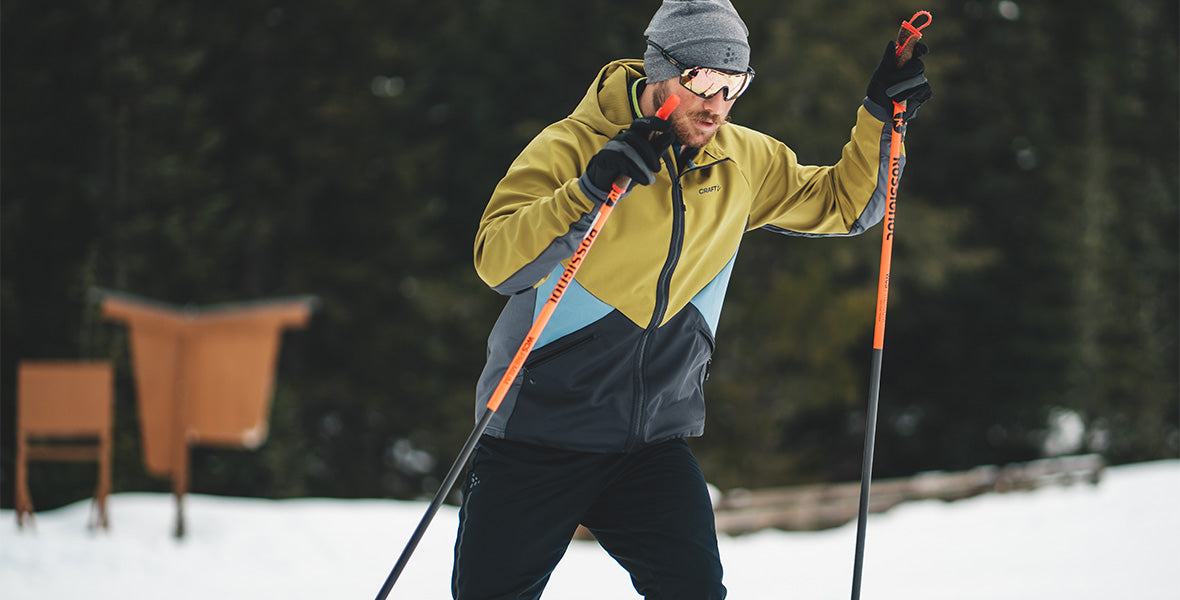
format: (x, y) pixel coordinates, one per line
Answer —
(717, 103)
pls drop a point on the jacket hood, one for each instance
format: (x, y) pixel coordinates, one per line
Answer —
(606, 106)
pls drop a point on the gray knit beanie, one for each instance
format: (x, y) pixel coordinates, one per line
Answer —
(700, 33)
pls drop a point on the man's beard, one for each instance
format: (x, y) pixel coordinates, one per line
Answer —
(683, 123)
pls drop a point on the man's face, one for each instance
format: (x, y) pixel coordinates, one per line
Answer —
(697, 119)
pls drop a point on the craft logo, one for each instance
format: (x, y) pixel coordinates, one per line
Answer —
(709, 190)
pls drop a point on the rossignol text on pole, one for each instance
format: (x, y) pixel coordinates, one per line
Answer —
(618, 189)
(909, 35)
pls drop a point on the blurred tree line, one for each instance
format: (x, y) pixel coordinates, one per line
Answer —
(197, 153)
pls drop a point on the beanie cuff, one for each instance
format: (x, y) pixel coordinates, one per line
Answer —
(656, 67)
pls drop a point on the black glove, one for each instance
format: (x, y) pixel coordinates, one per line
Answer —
(891, 83)
(635, 153)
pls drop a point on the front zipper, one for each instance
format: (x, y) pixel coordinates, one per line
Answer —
(663, 286)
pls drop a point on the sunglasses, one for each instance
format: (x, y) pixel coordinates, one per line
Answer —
(706, 82)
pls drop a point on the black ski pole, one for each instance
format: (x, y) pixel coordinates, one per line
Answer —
(436, 503)
(909, 34)
(619, 188)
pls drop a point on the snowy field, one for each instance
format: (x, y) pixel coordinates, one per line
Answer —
(1120, 539)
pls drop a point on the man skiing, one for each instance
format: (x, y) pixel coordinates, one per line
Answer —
(593, 430)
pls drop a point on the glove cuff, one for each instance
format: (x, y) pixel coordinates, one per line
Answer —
(636, 159)
(596, 195)
(881, 113)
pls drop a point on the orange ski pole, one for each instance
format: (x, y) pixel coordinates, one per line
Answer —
(619, 187)
(909, 35)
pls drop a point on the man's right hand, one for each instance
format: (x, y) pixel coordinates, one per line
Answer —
(907, 83)
(635, 153)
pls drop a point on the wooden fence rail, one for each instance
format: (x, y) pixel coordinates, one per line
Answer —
(824, 506)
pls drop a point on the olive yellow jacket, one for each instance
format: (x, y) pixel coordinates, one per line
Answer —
(622, 361)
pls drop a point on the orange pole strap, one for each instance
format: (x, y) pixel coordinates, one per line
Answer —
(915, 31)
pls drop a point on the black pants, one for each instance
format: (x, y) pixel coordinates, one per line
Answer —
(649, 509)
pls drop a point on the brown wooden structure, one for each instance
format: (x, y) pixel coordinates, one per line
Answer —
(64, 413)
(204, 376)
(823, 506)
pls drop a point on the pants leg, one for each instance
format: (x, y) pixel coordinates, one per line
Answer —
(656, 519)
(521, 506)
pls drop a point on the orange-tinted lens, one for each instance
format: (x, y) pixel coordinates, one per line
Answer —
(706, 82)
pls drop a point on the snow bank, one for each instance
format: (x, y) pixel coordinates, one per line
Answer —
(1120, 539)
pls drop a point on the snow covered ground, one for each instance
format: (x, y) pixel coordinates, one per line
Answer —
(1120, 539)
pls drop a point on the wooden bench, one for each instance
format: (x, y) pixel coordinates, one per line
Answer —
(64, 413)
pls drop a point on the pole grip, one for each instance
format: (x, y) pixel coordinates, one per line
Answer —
(909, 34)
(670, 105)
(622, 182)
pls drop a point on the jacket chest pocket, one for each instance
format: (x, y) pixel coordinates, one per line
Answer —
(554, 352)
